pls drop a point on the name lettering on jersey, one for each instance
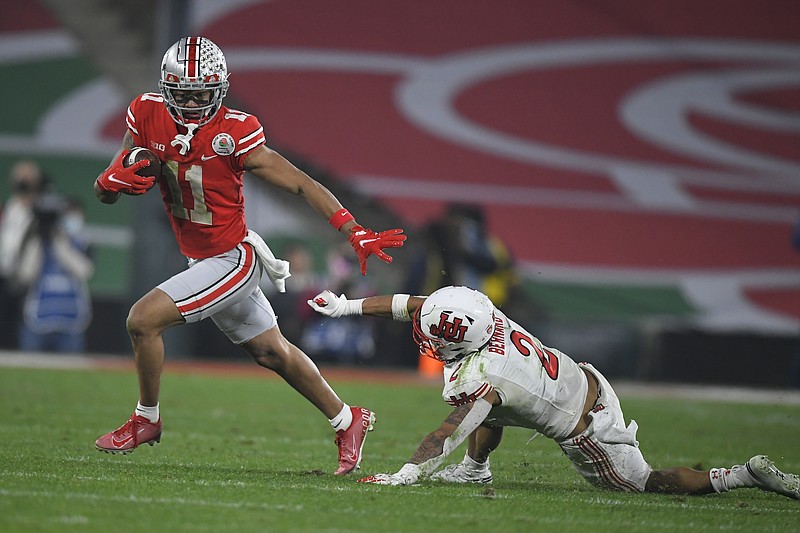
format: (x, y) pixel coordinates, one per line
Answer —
(450, 331)
(157, 146)
(464, 398)
(497, 344)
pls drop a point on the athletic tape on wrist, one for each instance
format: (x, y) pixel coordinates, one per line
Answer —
(340, 218)
(353, 307)
(400, 307)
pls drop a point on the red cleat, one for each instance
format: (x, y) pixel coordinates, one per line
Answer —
(137, 430)
(351, 440)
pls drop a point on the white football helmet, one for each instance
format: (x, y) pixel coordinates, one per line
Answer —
(453, 322)
(193, 64)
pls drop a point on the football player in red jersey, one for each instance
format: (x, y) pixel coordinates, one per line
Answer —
(205, 149)
(497, 374)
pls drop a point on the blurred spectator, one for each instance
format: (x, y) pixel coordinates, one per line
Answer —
(459, 250)
(53, 268)
(345, 340)
(456, 252)
(26, 181)
(305, 282)
(500, 283)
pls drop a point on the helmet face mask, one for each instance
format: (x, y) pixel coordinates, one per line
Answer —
(194, 80)
(453, 322)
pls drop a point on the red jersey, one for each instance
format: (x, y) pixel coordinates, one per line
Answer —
(202, 190)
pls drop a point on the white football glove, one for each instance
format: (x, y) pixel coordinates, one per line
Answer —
(328, 304)
(408, 475)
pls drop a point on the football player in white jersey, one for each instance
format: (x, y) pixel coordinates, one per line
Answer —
(497, 374)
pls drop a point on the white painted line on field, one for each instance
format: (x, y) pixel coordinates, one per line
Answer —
(133, 498)
(46, 360)
(679, 391)
(717, 393)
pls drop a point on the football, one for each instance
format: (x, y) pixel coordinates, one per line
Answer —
(139, 154)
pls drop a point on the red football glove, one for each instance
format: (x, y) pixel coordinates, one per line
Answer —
(366, 242)
(118, 178)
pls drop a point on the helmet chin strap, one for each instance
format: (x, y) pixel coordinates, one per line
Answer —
(184, 140)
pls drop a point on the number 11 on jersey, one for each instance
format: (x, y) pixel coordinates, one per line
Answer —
(174, 174)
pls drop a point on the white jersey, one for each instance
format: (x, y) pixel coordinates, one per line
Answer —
(540, 387)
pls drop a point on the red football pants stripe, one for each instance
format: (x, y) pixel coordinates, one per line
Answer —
(225, 286)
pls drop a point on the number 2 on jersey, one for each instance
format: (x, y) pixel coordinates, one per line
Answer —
(194, 175)
(548, 359)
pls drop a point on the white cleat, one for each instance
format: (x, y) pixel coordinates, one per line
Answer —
(768, 477)
(459, 473)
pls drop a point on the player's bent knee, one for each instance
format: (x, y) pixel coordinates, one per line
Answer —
(268, 358)
(136, 322)
(270, 349)
(139, 325)
(267, 355)
(152, 314)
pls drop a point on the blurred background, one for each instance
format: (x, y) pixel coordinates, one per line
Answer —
(621, 177)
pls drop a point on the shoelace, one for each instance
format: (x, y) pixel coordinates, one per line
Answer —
(131, 423)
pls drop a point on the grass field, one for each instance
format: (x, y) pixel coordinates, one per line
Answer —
(248, 454)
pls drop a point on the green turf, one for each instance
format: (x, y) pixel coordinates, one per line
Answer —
(248, 454)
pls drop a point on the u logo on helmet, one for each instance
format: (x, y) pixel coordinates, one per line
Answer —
(451, 331)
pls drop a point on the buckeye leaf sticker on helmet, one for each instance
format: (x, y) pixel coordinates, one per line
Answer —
(193, 65)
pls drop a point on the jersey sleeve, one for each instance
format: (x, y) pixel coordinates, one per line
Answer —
(130, 121)
(463, 386)
(248, 135)
(136, 115)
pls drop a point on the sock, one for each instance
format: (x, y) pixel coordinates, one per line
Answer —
(735, 477)
(473, 465)
(343, 420)
(150, 413)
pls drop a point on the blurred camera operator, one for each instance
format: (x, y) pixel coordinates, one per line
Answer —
(26, 181)
(54, 267)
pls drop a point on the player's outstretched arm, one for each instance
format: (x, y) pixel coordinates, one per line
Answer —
(434, 448)
(397, 306)
(270, 166)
